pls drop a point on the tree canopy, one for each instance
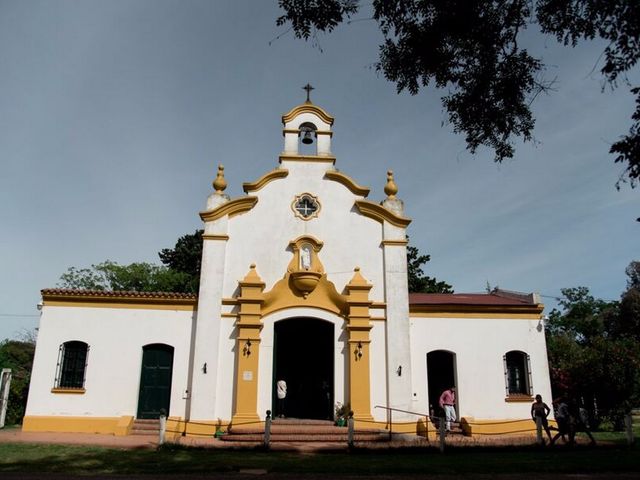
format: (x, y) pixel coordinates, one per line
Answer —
(418, 281)
(594, 350)
(17, 355)
(473, 51)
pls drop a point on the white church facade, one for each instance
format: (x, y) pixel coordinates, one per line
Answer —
(302, 279)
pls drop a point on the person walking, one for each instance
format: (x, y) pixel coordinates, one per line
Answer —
(448, 404)
(562, 419)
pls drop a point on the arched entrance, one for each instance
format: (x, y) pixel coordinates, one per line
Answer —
(441, 374)
(155, 380)
(303, 357)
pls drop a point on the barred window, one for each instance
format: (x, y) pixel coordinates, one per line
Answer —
(517, 372)
(72, 365)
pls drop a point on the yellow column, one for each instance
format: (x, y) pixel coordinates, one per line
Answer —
(358, 327)
(248, 326)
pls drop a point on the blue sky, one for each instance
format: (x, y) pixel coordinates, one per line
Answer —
(115, 114)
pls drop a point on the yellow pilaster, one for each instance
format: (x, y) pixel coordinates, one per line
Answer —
(248, 326)
(359, 326)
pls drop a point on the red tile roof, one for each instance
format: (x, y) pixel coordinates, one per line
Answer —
(499, 297)
(105, 293)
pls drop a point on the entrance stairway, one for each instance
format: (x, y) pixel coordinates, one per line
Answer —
(299, 430)
(146, 427)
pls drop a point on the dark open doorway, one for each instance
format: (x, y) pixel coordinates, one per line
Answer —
(441, 374)
(303, 357)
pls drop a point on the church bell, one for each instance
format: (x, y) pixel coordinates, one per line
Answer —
(307, 139)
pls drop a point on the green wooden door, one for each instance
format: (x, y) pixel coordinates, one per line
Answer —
(155, 381)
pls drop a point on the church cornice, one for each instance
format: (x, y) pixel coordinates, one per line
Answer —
(263, 180)
(347, 181)
(231, 208)
(514, 312)
(308, 158)
(381, 214)
(307, 107)
(56, 297)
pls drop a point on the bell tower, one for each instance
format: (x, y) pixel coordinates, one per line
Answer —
(307, 124)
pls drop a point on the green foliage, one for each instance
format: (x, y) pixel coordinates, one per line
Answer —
(594, 351)
(180, 272)
(18, 356)
(418, 281)
(135, 277)
(186, 258)
(471, 50)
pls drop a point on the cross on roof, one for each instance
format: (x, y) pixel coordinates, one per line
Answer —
(308, 88)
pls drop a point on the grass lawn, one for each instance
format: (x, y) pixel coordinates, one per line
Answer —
(73, 460)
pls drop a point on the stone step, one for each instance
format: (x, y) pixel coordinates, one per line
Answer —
(145, 427)
(293, 429)
(302, 430)
(304, 437)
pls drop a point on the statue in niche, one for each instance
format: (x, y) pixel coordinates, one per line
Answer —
(305, 257)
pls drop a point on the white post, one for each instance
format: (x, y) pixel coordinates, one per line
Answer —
(163, 429)
(267, 430)
(351, 431)
(628, 423)
(539, 430)
(5, 383)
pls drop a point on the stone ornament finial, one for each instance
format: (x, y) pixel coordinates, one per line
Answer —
(219, 184)
(390, 188)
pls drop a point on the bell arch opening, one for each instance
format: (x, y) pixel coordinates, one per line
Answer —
(303, 356)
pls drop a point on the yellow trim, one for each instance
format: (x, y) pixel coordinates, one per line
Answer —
(520, 312)
(76, 391)
(358, 328)
(177, 427)
(378, 319)
(114, 425)
(347, 181)
(307, 108)
(395, 243)
(417, 427)
(229, 315)
(472, 426)
(324, 296)
(381, 214)
(231, 208)
(143, 304)
(263, 180)
(308, 158)
(248, 327)
(213, 236)
(519, 399)
(297, 131)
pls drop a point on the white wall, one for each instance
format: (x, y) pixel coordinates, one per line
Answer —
(479, 345)
(115, 338)
(262, 235)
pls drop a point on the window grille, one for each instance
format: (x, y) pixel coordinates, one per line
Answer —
(72, 365)
(517, 373)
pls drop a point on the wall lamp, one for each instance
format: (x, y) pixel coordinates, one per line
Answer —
(358, 351)
(399, 370)
(246, 350)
